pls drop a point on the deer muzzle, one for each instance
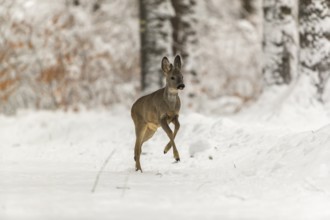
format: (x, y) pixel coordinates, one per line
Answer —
(181, 86)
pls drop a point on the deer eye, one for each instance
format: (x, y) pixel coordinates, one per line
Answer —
(172, 78)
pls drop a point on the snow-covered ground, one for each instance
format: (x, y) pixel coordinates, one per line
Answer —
(250, 166)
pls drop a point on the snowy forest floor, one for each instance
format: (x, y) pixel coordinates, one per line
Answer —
(248, 166)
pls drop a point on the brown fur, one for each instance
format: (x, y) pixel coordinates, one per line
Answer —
(158, 109)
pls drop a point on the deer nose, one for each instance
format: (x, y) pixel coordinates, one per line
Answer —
(181, 86)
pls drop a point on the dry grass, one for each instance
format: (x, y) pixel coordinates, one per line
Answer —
(60, 63)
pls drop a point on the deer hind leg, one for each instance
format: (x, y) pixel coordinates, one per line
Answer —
(148, 134)
(143, 134)
(140, 129)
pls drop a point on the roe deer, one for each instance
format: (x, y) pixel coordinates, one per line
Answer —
(158, 109)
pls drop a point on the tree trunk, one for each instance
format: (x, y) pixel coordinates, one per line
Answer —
(280, 41)
(184, 33)
(314, 19)
(251, 10)
(156, 34)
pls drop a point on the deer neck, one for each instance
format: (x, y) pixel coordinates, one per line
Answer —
(170, 96)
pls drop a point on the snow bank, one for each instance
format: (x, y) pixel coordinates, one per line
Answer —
(231, 168)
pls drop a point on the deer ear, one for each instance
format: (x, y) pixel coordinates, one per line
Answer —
(166, 65)
(177, 62)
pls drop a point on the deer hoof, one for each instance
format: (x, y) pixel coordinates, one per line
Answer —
(177, 159)
(138, 167)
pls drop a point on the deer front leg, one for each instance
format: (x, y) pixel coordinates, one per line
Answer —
(167, 129)
(176, 129)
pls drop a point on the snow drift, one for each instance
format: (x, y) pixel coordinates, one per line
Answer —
(231, 167)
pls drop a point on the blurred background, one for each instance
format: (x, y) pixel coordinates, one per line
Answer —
(77, 54)
(254, 137)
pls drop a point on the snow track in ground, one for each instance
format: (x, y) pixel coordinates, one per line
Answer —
(231, 168)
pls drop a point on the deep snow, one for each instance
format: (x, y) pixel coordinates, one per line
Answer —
(250, 166)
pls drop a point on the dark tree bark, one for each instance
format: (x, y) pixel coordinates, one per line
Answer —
(184, 33)
(280, 41)
(314, 18)
(251, 10)
(156, 34)
(248, 8)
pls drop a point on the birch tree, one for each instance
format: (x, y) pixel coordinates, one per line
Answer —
(280, 41)
(156, 40)
(314, 19)
(184, 32)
